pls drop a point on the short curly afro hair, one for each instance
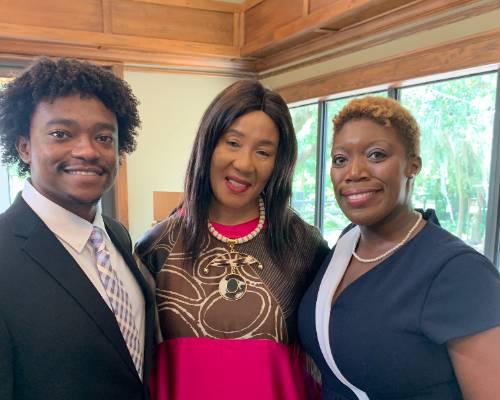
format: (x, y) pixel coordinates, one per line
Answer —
(386, 112)
(47, 80)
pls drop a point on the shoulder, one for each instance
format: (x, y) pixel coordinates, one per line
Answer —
(18, 221)
(445, 246)
(463, 294)
(450, 264)
(304, 228)
(310, 238)
(159, 234)
(456, 255)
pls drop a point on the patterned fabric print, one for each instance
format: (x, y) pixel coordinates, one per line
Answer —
(190, 305)
(183, 288)
(118, 297)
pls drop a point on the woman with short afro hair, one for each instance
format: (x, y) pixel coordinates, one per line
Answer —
(401, 309)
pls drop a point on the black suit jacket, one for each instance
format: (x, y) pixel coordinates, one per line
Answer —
(58, 338)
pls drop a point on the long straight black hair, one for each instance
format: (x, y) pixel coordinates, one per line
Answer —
(240, 98)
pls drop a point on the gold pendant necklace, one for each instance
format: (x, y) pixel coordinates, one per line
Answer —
(233, 285)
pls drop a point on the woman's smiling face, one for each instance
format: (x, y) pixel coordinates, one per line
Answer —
(371, 171)
(241, 165)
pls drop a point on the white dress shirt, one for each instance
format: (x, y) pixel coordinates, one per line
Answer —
(74, 232)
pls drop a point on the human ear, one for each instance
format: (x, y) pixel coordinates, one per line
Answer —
(23, 148)
(414, 166)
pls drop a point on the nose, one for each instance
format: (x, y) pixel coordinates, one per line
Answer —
(243, 161)
(355, 170)
(85, 148)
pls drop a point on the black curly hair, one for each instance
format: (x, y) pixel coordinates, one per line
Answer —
(47, 80)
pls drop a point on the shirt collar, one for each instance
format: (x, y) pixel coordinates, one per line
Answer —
(69, 227)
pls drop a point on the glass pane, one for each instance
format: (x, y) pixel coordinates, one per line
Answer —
(456, 121)
(4, 191)
(305, 121)
(334, 220)
(10, 183)
(16, 183)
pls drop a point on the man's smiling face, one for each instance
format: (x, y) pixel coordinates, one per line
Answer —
(72, 151)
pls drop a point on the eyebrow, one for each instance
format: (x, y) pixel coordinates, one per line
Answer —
(70, 122)
(264, 142)
(369, 144)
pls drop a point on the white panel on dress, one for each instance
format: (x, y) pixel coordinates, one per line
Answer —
(333, 275)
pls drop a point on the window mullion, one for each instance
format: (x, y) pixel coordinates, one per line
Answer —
(491, 244)
(393, 93)
(320, 166)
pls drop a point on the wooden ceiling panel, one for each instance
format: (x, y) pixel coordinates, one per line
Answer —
(263, 37)
(268, 15)
(75, 15)
(171, 22)
(324, 17)
(406, 20)
(367, 12)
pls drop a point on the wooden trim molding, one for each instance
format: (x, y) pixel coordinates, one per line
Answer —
(248, 4)
(196, 4)
(15, 49)
(306, 6)
(469, 52)
(121, 194)
(107, 22)
(121, 182)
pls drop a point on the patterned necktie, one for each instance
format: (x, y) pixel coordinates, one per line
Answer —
(118, 297)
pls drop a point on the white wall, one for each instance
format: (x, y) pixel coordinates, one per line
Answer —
(171, 108)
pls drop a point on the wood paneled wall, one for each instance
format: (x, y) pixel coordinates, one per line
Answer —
(255, 38)
(172, 22)
(202, 34)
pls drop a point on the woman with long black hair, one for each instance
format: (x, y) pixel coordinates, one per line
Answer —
(232, 263)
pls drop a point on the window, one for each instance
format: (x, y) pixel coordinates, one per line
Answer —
(458, 127)
(10, 182)
(305, 122)
(456, 120)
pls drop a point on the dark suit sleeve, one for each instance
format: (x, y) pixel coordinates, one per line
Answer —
(6, 364)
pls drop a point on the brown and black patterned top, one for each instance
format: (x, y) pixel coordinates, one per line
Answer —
(187, 294)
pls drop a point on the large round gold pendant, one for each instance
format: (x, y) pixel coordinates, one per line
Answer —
(232, 287)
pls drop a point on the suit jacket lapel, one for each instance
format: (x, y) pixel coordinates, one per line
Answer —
(46, 251)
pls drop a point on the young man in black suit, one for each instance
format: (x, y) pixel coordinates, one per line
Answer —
(76, 317)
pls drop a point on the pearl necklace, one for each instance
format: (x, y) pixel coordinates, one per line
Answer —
(391, 250)
(246, 238)
(233, 284)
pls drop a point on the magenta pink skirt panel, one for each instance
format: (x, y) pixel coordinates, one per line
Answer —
(243, 369)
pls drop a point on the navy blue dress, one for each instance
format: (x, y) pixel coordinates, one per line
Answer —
(389, 328)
